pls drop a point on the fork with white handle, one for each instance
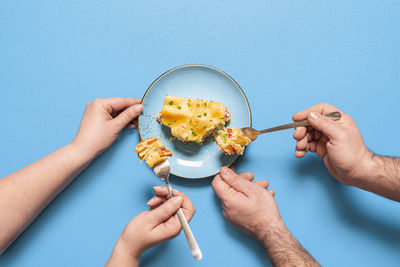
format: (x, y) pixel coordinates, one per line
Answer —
(162, 170)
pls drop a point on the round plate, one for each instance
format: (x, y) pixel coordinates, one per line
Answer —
(191, 160)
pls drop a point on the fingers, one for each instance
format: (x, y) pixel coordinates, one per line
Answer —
(166, 210)
(300, 153)
(320, 146)
(299, 133)
(247, 175)
(127, 116)
(120, 103)
(132, 124)
(272, 192)
(302, 144)
(188, 208)
(262, 183)
(321, 108)
(235, 181)
(156, 201)
(305, 137)
(220, 186)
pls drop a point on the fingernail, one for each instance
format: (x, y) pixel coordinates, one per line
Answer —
(139, 108)
(314, 115)
(226, 170)
(150, 201)
(157, 187)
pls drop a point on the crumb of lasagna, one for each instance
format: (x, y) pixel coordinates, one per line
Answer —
(192, 120)
(153, 151)
(231, 140)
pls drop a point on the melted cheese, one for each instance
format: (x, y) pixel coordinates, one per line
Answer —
(231, 140)
(192, 119)
(152, 151)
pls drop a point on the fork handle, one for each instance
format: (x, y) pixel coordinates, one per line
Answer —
(194, 247)
(333, 116)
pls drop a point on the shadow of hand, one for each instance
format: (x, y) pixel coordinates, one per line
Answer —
(346, 206)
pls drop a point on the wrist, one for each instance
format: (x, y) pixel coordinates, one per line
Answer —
(366, 170)
(83, 151)
(269, 231)
(122, 256)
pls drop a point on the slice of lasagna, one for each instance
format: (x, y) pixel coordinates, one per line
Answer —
(192, 120)
(152, 151)
(231, 140)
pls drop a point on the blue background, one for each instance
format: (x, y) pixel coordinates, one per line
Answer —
(55, 56)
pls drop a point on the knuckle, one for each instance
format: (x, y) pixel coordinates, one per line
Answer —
(215, 181)
(225, 213)
(227, 204)
(165, 213)
(143, 214)
(90, 104)
(126, 117)
(235, 179)
(325, 122)
(97, 101)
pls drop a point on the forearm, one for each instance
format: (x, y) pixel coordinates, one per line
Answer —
(382, 177)
(283, 249)
(25, 193)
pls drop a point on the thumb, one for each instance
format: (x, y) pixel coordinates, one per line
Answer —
(166, 210)
(323, 124)
(235, 181)
(127, 116)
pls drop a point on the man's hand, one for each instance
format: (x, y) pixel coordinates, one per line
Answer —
(245, 204)
(338, 143)
(253, 209)
(151, 228)
(102, 121)
(341, 146)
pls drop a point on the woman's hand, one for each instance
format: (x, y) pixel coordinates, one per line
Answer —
(151, 228)
(102, 121)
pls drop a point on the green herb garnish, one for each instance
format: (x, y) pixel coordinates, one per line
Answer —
(205, 114)
(188, 104)
(171, 102)
(198, 105)
(179, 107)
(198, 116)
(186, 138)
(194, 133)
